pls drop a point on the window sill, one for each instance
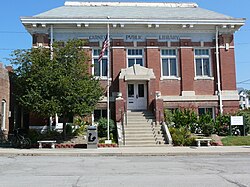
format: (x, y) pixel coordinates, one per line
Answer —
(102, 78)
(170, 78)
(203, 78)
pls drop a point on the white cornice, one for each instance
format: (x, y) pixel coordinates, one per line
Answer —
(116, 4)
(34, 20)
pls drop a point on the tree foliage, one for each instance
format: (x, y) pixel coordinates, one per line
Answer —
(60, 85)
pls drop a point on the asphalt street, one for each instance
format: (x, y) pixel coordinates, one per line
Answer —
(128, 171)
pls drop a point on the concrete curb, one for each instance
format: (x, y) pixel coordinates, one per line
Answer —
(129, 151)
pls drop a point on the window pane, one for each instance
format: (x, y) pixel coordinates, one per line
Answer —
(104, 113)
(210, 111)
(97, 115)
(139, 61)
(96, 68)
(201, 111)
(173, 70)
(205, 52)
(141, 90)
(165, 67)
(131, 90)
(197, 52)
(206, 66)
(139, 51)
(104, 67)
(168, 52)
(198, 67)
(96, 52)
(131, 62)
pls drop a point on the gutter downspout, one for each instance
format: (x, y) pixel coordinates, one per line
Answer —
(51, 58)
(51, 41)
(218, 71)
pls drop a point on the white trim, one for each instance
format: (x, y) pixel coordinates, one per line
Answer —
(151, 47)
(203, 78)
(223, 47)
(95, 57)
(3, 115)
(31, 20)
(139, 4)
(202, 57)
(135, 56)
(169, 57)
(170, 78)
(118, 47)
(188, 93)
(183, 47)
(190, 98)
(230, 95)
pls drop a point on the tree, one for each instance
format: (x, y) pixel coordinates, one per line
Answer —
(61, 85)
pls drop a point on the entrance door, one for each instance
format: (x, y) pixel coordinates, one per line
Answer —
(137, 96)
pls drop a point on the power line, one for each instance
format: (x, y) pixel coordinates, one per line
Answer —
(243, 62)
(241, 82)
(9, 49)
(13, 32)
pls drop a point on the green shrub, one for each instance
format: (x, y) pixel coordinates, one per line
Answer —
(168, 116)
(81, 131)
(246, 115)
(181, 136)
(102, 128)
(222, 125)
(206, 124)
(185, 118)
(51, 135)
(34, 135)
(80, 126)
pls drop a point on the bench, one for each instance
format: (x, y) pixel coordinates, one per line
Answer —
(199, 140)
(52, 142)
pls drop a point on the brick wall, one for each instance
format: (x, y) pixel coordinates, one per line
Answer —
(4, 94)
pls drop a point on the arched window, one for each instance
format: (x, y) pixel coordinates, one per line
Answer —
(3, 114)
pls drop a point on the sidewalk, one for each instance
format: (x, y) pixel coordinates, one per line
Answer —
(128, 151)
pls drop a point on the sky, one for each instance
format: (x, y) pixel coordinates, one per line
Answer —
(14, 36)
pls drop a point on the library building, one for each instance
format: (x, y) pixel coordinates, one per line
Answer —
(159, 56)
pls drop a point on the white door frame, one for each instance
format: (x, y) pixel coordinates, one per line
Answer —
(137, 95)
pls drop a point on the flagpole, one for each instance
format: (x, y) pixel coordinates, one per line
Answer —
(108, 81)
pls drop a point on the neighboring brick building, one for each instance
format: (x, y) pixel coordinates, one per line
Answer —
(4, 98)
(162, 55)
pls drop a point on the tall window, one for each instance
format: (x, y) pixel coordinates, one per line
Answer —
(169, 63)
(135, 56)
(3, 114)
(202, 63)
(100, 68)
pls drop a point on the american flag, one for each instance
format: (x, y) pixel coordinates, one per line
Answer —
(105, 45)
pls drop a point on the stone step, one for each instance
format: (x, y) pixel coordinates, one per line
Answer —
(134, 130)
(140, 113)
(139, 131)
(139, 135)
(138, 127)
(141, 138)
(152, 142)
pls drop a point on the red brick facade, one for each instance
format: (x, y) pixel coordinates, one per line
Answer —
(4, 97)
(180, 88)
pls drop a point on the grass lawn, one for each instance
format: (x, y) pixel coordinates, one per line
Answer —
(236, 140)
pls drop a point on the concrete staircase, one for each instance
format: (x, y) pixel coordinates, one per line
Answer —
(141, 130)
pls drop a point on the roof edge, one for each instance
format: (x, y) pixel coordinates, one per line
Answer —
(142, 4)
